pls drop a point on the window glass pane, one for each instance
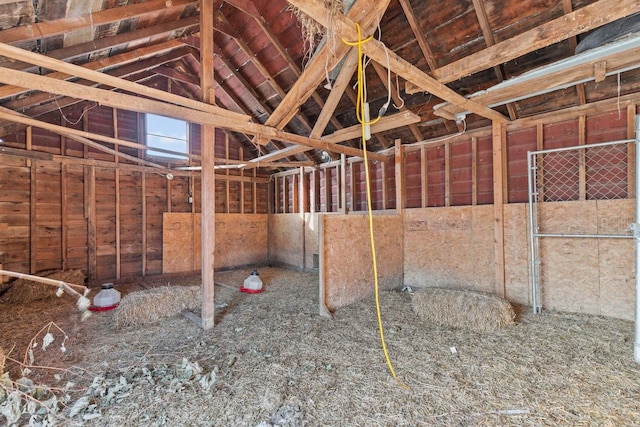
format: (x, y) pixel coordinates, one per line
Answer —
(168, 134)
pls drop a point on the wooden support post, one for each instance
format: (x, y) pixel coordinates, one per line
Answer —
(254, 193)
(227, 183)
(352, 186)
(582, 171)
(116, 134)
(474, 171)
(143, 182)
(92, 231)
(241, 184)
(631, 152)
(33, 224)
(285, 194)
(64, 196)
(383, 168)
(447, 174)
(499, 140)
(327, 190)
(424, 181)
(401, 196)
(304, 193)
(314, 191)
(342, 178)
(540, 164)
(208, 166)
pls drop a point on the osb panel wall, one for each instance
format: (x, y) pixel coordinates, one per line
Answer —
(588, 275)
(287, 239)
(449, 247)
(311, 249)
(346, 263)
(453, 247)
(240, 240)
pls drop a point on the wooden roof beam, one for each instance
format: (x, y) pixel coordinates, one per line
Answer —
(573, 43)
(115, 42)
(562, 28)
(417, 32)
(145, 105)
(377, 51)
(522, 87)
(44, 29)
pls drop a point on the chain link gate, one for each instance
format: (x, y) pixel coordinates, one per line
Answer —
(585, 172)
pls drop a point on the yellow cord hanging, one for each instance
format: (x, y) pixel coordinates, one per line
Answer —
(360, 114)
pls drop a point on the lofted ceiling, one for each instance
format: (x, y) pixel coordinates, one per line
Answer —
(455, 65)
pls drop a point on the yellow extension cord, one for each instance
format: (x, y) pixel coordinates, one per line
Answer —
(360, 114)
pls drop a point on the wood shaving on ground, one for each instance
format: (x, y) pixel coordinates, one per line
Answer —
(271, 360)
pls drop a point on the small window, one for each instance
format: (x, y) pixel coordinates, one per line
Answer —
(167, 134)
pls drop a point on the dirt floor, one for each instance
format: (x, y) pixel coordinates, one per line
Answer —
(271, 360)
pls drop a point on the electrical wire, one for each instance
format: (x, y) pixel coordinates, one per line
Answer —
(360, 114)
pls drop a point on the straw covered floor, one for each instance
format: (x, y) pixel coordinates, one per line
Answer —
(272, 360)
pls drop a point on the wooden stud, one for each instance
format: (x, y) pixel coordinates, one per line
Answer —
(143, 184)
(352, 186)
(254, 193)
(631, 151)
(341, 171)
(401, 197)
(499, 136)
(118, 225)
(447, 174)
(383, 168)
(474, 171)
(227, 184)
(285, 194)
(582, 171)
(327, 190)
(540, 163)
(314, 191)
(241, 185)
(304, 193)
(64, 196)
(424, 181)
(33, 224)
(295, 194)
(90, 206)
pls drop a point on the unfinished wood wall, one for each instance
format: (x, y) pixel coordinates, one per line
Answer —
(64, 205)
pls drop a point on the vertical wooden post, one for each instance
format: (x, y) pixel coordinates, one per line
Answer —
(314, 191)
(424, 181)
(447, 174)
(474, 171)
(302, 207)
(540, 164)
(499, 139)
(143, 182)
(90, 212)
(383, 168)
(352, 186)
(116, 134)
(285, 194)
(64, 196)
(304, 193)
(33, 224)
(343, 184)
(242, 184)
(401, 197)
(631, 151)
(582, 171)
(227, 182)
(208, 165)
(327, 190)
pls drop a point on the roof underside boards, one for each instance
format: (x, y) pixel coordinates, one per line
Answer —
(442, 55)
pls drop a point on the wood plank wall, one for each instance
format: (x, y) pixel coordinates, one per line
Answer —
(456, 172)
(67, 211)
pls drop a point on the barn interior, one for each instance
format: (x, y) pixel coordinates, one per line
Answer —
(355, 153)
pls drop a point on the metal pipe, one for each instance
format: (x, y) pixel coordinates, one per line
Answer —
(636, 233)
(583, 147)
(585, 236)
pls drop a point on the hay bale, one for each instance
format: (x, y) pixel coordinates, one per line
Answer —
(152, 305)
(463, 309)
(23, 291)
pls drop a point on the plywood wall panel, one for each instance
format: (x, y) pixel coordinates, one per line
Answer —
(240, 240)
(516, 253)
(617, 284)
(561, 217)
(311, 249)
(286, 239)
(346, 260)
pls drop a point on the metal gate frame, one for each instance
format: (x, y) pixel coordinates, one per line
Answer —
(535, 234)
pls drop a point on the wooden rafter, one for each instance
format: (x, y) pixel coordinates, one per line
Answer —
(562, 28)
(376, 50)
(483, 19)
(573, 43)
(417, 32)
(56, 27)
